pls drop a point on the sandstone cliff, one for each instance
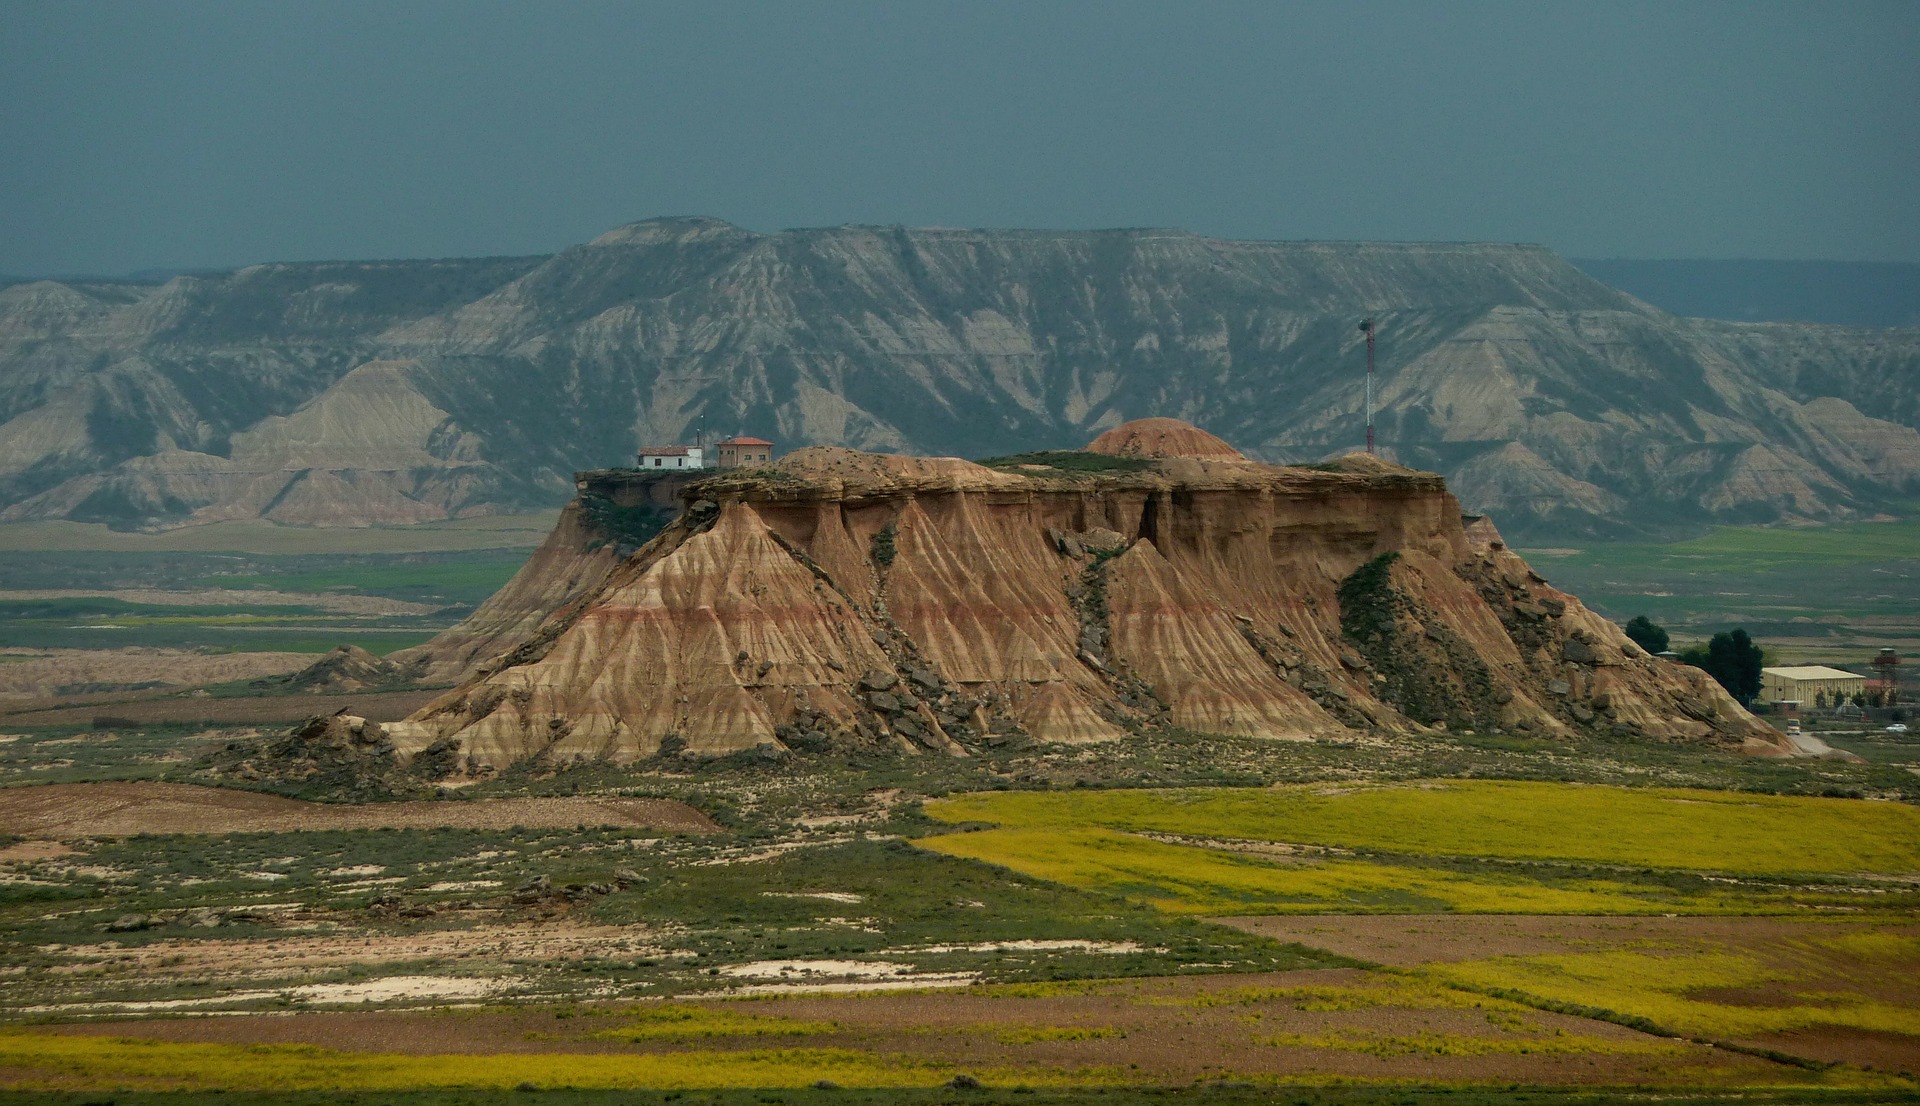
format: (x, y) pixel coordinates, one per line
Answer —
(855, 600)
(354, 393)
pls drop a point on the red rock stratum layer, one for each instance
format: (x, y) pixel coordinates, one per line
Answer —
(848, 599)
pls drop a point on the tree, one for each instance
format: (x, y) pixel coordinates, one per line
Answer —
(1820, 699)
(1722, 665)
(1734, 662)
(1642, 632)
(1748, 660)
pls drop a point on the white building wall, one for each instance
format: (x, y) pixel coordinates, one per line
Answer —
(693, 458)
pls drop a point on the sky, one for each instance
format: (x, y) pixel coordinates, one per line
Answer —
(170, 134)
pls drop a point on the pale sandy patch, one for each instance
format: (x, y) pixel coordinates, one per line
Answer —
(856, 969)
(1113, 948)
(822, 821)
(362, 884)
(389, 989)
(830, 896)
(276, 956)
(908, 983)
(400, 987)
(777, 849)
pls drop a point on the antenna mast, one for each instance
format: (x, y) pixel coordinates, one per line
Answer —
(1367, 326)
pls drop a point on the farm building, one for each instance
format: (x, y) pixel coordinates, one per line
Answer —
(741, 452)
(1802, 683)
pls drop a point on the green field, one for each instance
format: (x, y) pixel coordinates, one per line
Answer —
(1737, 549)
(452, 582)
(103, 623)
(917, 914)
(256, 536)
(1832, 594)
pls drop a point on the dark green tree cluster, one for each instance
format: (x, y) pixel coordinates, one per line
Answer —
(1733, 660)
(1642, 632)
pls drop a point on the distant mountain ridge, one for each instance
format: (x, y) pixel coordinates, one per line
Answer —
(1843, 293)
(352, 393)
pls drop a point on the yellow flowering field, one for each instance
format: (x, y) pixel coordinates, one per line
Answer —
(1844, 980)
(1186, 879)
(1717, 831)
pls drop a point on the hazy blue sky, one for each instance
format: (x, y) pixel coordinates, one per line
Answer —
(162, 133)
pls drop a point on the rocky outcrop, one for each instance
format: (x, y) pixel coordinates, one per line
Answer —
(340, 755)
(356, 393)
(857, 601)
(1162, 438)
(344, 668)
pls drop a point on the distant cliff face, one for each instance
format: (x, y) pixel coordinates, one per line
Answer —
(845, 600)
(354, 393)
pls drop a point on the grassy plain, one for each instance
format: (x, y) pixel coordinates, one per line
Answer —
(107, 623)
(1830, 594)
(256, 536)
(445, 569)
(1066, 964)
(691, 914)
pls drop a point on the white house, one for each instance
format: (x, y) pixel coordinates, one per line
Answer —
(664, 457)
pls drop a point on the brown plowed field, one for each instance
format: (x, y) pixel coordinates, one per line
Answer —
(1169, 1030)
(1808, 969)
(123, 809)
(1411, 940)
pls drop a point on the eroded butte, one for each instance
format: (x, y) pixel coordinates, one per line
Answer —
(842, 599)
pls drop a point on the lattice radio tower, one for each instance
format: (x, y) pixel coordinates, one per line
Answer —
(1366, 326)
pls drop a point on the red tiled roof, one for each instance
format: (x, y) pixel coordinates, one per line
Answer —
(663, 451)
(745, 441)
